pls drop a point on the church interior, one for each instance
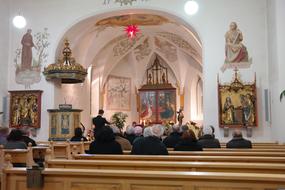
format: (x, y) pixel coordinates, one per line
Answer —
(147, 67)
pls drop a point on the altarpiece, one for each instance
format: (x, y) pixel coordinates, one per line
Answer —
(157, 98)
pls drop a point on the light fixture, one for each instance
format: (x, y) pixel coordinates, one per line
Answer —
(19, 21)
(131, 31)
(66, 69)
(122, 2)
(191, 7)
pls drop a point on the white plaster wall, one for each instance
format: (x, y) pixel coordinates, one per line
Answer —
(4, 49)
(276, 66)
(211, 23)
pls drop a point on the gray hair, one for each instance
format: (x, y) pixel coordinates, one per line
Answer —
(207, 130)
(115, 129)
(175, 128)
(129, 130)
(157, 130)
(147, 132)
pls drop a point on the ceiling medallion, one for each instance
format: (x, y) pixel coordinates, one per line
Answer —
(122, 2)
(131, 31)
(66, 69)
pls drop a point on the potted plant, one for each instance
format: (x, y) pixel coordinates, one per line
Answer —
(282, 94)
(119, 119)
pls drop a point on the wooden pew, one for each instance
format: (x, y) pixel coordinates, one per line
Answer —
(168, 166)
(226, 153)
(79, 179)
(183, 158)
(19, 156)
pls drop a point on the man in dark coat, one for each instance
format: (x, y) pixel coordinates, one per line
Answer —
(99, 122)
(150, 145)
(173, 138)
(208, 139)
(238, 141)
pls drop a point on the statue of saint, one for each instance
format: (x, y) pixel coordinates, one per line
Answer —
(236, 52)
(27, 55)
(247, 109)
(228, 111)
(149, 81)
(180, 116)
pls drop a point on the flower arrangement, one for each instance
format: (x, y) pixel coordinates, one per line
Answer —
(119, 119)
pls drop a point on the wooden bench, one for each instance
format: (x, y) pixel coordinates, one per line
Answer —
(168, 166)
(79, 179)
(245, 159)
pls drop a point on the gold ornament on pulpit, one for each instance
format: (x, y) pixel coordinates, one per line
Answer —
(66, 69)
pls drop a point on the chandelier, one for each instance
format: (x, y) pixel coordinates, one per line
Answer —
(122, 2)
(66, 69)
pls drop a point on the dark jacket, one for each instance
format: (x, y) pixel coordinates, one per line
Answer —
(28, 140)
(78, 139)
(239, 143)
(130, 137)
(105, 148)
(188, 145)
(149, 146)
(172, 139)
(99, 123)
(208, 141)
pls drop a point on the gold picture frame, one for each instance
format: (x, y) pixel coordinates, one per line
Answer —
(25, 108)
(237, 103)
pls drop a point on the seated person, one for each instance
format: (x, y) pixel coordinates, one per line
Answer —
(125, 144)
(105, 143)
(188, 142)
(130, 134)
(4, 131)
(26, 133)
(78, 135)
(173, 138)
(208, 140)
(14, 140)
(151, 145)
(238, 141)
(138, 131)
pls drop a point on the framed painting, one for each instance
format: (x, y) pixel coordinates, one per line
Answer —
(166, 105)
(148, 105)
(25, 108)
(118, 93)
(237, 104)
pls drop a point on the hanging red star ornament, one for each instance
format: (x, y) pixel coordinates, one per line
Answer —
(132, 30)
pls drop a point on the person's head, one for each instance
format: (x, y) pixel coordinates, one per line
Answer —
(233, 26)
(237, 133)
(101, 112)
(184, 128)
(157, 130)
(29, 31)
(175, 128)
(207, 130)
(4, 131)
(147, 132)
(189, 135)
(15, 135)
(138, 131)
(116, 130)
(78, 132)
(105, 135)
(134, 123)
(213, 129)
(129, 130)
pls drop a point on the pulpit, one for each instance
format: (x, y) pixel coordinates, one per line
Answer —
(62, 123)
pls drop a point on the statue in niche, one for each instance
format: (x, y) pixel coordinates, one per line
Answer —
(180, 116)
(163, 78)
(228, 111)
(247, 109)
(236, 52)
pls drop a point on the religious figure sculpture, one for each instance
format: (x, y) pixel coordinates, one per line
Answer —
(180, 116)
(27, 55)
(228, 111)
(236, 52)
(247, 109)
